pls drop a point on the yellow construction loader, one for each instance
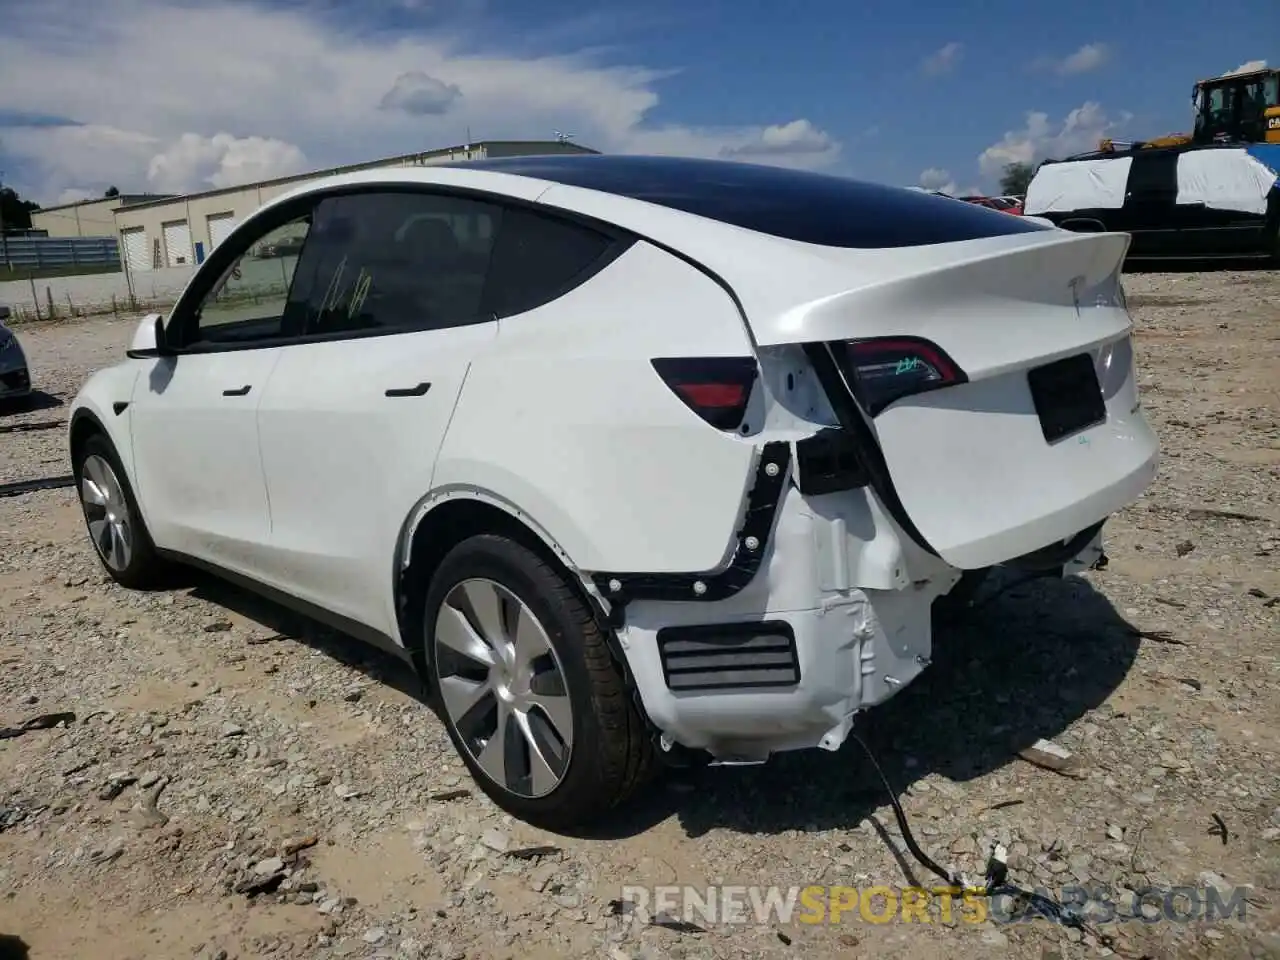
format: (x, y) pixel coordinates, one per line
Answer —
(1233, 108)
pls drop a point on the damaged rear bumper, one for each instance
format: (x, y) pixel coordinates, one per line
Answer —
(838, 619)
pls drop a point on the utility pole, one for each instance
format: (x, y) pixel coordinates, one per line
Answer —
(4, 239)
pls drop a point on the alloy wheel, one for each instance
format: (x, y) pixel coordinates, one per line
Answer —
(503, 687)
(107, 512)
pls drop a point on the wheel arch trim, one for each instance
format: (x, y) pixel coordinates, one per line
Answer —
(471, 493)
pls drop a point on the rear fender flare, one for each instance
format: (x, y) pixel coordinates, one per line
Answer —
(436, 498)
(402, 591)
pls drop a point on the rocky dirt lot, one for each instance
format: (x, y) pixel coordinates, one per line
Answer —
(236, 782)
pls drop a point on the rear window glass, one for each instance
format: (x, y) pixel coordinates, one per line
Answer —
(537, 259)
(795, 205)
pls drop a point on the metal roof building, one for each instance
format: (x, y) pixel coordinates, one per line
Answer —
(180, 231)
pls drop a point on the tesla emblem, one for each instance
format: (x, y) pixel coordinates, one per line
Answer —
(1075, 291)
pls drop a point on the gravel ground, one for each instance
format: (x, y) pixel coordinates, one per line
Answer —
(237, 782)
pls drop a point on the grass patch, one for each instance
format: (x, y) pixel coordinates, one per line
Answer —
(8, 274)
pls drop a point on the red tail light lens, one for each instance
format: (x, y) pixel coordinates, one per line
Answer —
(882, 370)
(715, 388)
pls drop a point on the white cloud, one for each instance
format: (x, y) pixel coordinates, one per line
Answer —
(935, 178)
(230, 91)
(943, 60)
(797, 139)
(222, 160)
(1249, 67)
(74, 195)
(1038, 139)
(1089, 57)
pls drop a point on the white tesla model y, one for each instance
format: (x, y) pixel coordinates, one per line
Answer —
(627, 455)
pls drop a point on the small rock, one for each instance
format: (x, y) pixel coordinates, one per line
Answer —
(344, 792)
(495, 840)
(1183, 548)
(1050, 756)
(374, 935)
(1115, 832)
(264, 868)
(217, 626)
(230, 729)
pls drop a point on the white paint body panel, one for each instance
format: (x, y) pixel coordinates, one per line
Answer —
(589, 441)
(345, 464)
(558, 417)
(197, 464)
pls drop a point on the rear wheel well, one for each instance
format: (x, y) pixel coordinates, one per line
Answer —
(442, 529)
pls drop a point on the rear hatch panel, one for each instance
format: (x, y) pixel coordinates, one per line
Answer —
(1039, 434)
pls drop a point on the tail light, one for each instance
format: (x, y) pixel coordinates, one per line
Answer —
(882, 370)
(715, 388)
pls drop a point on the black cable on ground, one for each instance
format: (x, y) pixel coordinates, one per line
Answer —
(19, 487)
(31, 426)
(996, 882)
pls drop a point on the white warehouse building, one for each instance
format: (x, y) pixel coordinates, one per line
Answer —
(181, 231)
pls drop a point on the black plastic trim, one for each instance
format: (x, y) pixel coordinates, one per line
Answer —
(851, 419)
(726, 640)
(762, 507)
(828, 462)
(419, 391)
(119, 407)
(1055, 554)
(1067, 397)
(346, 625)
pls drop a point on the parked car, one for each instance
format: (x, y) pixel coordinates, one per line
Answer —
(1187, 201)
(634, 459)
(15, 375)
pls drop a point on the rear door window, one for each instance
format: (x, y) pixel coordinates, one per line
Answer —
(538, 258)
(1153, 177)
(396, 262)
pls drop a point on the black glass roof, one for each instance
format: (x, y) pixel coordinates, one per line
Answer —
(793, 204)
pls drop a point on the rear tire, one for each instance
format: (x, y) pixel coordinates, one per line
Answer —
(112, 518)
(528, 690)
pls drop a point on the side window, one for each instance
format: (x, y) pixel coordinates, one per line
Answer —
(396, 261)
(248, 301)
(1154, 176)
(538, 258)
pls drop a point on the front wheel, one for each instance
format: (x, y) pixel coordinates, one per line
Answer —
(528, 689)
(112, 517)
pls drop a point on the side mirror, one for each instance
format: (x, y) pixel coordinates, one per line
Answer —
(148, 340)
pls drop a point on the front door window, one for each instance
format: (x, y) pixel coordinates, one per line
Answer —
(248, 302)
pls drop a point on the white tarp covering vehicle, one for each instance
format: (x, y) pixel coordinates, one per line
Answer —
(1183, 201)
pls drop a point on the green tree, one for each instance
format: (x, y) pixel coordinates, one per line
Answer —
(15, 213)
(111, 192)
(1016, 178)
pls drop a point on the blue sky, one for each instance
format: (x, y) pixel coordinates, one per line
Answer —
(182, 95)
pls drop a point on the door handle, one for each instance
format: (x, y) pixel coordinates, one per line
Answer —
(417, 391)
(240, 392)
